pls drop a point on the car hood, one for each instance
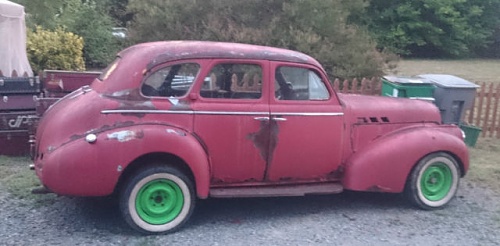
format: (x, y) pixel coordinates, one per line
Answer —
(361, 109)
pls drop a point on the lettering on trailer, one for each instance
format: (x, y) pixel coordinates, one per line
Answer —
(21, 119)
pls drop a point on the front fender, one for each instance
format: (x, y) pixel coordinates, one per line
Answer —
(93, 169)
(385, 164)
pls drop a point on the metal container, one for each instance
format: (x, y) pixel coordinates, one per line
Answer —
(407, 87)
(66, 81)
(14, 143)
(19, 85)
(18, 101)
(16, 120)
(453, 96)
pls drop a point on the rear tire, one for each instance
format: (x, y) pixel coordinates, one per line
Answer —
(157, 199)
(433, 182)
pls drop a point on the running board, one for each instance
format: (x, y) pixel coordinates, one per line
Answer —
(41, 190)
(269, 191)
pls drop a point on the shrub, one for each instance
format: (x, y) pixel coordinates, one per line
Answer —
(56, 49)
(87, 19)
(318, 28)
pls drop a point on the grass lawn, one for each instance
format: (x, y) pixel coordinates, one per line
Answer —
(484, 165)
(18, 180)
(474, 70)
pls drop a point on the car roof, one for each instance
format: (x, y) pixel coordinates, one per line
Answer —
(165, 51)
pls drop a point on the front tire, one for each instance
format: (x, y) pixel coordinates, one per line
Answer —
(157, 199)
(433, 182)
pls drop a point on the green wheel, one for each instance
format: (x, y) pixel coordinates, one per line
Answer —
(158, 199)
(434, 181)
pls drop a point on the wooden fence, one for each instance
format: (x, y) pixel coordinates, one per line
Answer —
(364, 86)
(484, 112)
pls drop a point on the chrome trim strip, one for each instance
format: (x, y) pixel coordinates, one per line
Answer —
(134, 111)
(70, 72)
(13, 131)
(305, 114)
(230, 113)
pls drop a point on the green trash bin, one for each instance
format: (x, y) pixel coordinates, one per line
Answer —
(471, 134)
(408, 87)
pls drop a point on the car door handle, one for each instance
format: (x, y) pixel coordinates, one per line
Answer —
(261, 118)
(279, 119)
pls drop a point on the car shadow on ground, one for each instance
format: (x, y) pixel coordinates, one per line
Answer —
(237, 209)
(102, 214)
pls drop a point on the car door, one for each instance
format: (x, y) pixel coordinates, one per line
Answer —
(307, 122)
(231, 118)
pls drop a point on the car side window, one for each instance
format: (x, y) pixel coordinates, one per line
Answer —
(295, 83)
(171, 81)
(236, 81)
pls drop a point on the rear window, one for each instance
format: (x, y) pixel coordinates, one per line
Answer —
(170, 81)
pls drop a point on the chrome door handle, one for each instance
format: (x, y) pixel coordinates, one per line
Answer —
(261, 118)
(279, 119)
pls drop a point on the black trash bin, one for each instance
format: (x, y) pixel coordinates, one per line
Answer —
(453, 95)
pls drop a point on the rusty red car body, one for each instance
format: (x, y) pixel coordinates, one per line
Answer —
(271, 138)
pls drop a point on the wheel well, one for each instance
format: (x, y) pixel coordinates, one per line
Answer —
(153, 159)
(459, 162)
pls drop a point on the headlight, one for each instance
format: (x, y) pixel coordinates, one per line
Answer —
(463, 134)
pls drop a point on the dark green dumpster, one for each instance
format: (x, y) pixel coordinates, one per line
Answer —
(407, 87)
(471, 134)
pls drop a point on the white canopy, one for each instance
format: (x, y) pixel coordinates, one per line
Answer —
(13, 59)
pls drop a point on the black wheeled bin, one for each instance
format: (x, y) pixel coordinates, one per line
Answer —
(453, 95)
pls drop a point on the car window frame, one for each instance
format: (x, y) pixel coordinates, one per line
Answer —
(333, 97)
(264, 65)
(150, 72)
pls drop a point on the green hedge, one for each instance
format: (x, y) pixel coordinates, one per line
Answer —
(56, 49)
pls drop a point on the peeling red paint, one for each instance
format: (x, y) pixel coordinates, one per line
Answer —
(265, 140)
(131, 99)
(127, 95)
(104, 128)
(175, 131)
(337, 174)
(125, 135)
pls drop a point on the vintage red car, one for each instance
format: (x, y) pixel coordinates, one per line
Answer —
(168, 123)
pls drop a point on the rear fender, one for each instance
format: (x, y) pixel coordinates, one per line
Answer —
(385, 164)
(136, 141)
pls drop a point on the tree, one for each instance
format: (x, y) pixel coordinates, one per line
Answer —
(90, 21)
(318, 28)
(117, 10)
(86, 18)
(450, 28)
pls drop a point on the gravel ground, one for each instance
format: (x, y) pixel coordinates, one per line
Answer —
(350, 218)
